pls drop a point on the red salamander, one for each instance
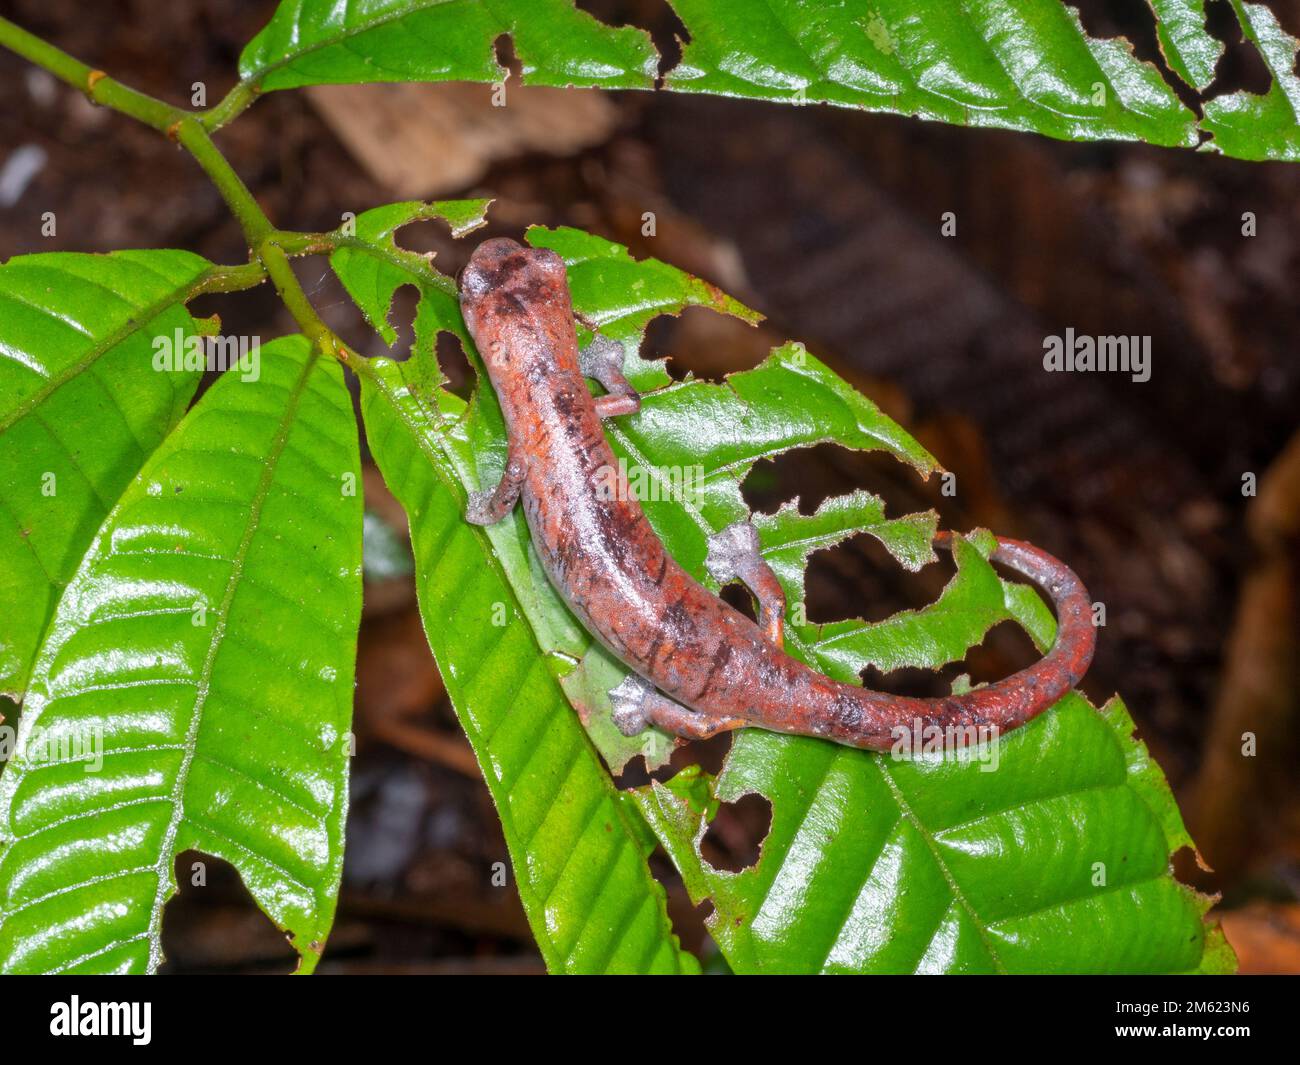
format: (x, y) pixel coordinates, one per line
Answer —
(699, 665)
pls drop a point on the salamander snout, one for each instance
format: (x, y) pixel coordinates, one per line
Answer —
(502, 264)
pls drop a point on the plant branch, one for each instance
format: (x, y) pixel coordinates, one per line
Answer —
(252, 219)
(230, 278)
(191, 130)
(286, 284)
(97, 85)
(230, 106)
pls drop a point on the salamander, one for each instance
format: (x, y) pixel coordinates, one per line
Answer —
(699, 666)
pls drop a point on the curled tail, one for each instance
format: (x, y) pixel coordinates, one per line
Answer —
(879, 721)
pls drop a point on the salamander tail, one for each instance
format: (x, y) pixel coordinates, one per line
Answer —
(886, 721)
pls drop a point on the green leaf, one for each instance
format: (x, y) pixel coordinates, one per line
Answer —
(1010, 64)
(315, 42)
(872, 864)
(195, 688)
(81, 408)
(1192, 53)
(935, 865)
(579, 849)
(372, 267)
(1006, 64)
(1249, 126)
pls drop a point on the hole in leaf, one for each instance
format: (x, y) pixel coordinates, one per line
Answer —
(1005, 649)
(705, 343)
(1241, 66)
(455, 364)
(859, 578)
(659, 20)
(735, 836)
(737, 595)
(916, 683)
(634, 774)
(708, 754)
(815, 474)
(504, 47)
(401, 316)
(215, 926)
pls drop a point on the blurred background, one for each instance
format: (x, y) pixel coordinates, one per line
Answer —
(829, 223)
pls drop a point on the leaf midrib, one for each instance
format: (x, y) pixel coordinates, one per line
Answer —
(438, 455)
(345, 33)
(176, 798)
(135, 323)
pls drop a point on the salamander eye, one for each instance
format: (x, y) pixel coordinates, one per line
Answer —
(473, 282)
(549, 261)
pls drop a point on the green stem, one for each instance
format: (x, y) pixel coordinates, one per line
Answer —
(230, 278)
(291, 292)
(265, 242)
(293, 243)
(230, 106)
(252, 219)
(97, 85)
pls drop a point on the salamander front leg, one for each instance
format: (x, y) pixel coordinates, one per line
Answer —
(637, 705)
(734, 555)
(602, 360)
(490, 506)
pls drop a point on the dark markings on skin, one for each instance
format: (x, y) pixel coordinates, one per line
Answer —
(663, 568)
(653, 651)
(601, 553)
(721, 656)
(563, 401)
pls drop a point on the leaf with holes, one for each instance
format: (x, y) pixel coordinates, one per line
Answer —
(83, 402)
(371, 266)
(1250, 126)
(1026, 65)
(872, 864)
(579, 849)
(1008, 64)
(315, 42)
(1187, 47)
(194, 690)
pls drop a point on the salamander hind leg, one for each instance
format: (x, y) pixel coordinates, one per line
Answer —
(490, 506)
(734, 555)
(637, 705)
(602, 360)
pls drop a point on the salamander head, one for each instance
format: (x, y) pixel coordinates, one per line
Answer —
(515, 301)
(503, 266)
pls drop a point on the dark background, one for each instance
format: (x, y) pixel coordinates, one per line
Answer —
(828, 221)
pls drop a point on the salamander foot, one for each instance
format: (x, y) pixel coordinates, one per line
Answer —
(479, 509)
(602, 360)
(629, 704)
(734, 555)
(637, 705)
(490, 506)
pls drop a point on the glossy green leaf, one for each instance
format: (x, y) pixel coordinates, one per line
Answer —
(315, 42)
(1007, 64)
(1189, 50)
(81, 408)
(579, 849)
(195, 688)
(935, 865)
(1011, 64)
(929, 864)
(1261, 127)
(372, 266)
(872, 864)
